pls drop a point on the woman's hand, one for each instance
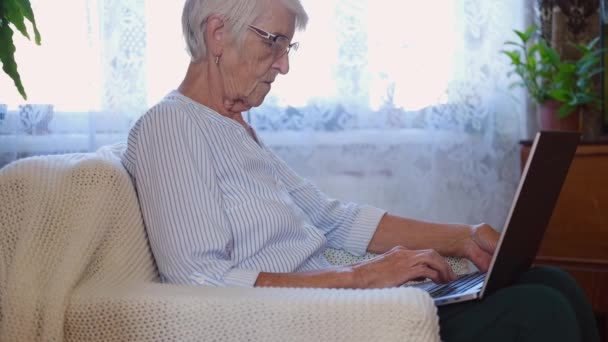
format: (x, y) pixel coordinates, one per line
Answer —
(400, 265)
(481, 245)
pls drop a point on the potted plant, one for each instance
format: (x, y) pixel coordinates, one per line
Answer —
(563, 89)
(14, 12)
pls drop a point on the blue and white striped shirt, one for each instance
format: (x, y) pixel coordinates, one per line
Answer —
(220, 207)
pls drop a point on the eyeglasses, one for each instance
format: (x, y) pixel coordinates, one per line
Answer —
(279, 44)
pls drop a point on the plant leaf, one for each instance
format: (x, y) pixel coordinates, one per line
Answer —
(26, 9)
(585, 66)
(525, 36)
(595, 72)
(560, 95)
(13, 13)
(565, 110)
(510, 42)
(592, 43)
(514, 56)
(7, 56)
(552, 54)
(521, 36)
(582, 99)
(532, 63)
(582, 83)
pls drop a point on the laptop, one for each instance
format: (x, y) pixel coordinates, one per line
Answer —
(531, 210)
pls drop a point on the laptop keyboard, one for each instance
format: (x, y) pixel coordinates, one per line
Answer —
(462, 284)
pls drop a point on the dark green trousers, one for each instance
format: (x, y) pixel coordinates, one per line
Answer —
(545, 304)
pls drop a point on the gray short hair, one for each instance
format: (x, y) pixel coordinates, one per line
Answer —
(238, 13)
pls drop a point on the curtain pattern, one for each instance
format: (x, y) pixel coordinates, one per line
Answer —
(403, 106)
(123, 57)
(454, 159)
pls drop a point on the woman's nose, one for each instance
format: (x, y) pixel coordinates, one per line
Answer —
(282, 64)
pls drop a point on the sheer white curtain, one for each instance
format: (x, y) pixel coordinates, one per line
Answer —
(400, 104)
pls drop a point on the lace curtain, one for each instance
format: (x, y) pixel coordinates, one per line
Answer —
(402, 105)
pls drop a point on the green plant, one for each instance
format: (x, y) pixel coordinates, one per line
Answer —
(573, 83)
(534, 63)
(14, 12)
(547, 77)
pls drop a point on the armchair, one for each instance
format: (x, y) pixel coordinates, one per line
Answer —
(75, 265)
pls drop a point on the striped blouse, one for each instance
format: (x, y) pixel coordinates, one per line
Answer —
(220, 207)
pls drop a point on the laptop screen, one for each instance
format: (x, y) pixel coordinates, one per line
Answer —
(539, 188)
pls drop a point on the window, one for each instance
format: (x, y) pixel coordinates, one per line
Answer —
(400, 104)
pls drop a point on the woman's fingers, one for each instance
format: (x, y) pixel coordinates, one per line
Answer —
(481, 259)
(428, 260)
(424, 272)
(435, 261)
(400, 265)
(483, 246)
(486, 237)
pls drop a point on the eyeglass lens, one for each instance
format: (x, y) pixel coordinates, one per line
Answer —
(281, 46)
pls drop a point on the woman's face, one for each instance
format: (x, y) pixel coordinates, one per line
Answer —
(249, 72)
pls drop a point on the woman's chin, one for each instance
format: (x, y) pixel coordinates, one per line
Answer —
(237, 106)
(256, 101)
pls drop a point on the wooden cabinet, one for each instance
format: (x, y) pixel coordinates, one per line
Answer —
(577, 237)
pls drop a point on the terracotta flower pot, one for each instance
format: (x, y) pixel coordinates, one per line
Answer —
(548, 120)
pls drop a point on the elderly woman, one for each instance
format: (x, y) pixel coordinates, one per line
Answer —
(221, 209)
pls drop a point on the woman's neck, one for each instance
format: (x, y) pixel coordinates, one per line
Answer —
(203, 84)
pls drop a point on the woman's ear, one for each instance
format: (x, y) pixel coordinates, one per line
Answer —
(215, 35)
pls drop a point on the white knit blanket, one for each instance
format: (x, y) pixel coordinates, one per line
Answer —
(75, 265)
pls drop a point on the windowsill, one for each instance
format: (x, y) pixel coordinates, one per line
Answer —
(76, 142)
